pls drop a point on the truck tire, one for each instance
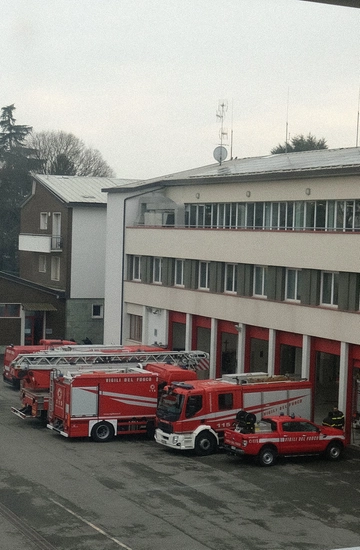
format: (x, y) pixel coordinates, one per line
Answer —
(333, 451)
(102, 432)
(267, 456)
(205, 444)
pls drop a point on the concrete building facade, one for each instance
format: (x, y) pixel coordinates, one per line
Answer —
(254, 261)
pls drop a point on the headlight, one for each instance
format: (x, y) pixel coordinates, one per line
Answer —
(175, 439)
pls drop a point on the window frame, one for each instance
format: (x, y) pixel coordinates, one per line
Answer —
(42, 263)
(157, 268)
(136, 269)
(55, 268)
(135, 327)
(101, 311)
(43, 221)
(296, 292)
(179, 267)
(262, 271)
(334, 289)
(204, 272)
(232, 277)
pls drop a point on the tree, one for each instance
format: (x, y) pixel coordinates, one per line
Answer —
(64, 154)
(300, 143)
(16, 162)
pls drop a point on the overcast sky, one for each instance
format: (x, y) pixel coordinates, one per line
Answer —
(141, 80)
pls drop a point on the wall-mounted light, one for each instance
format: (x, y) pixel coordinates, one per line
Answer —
(197, 195)
(248, 193)
(238, 328)
(308, 191)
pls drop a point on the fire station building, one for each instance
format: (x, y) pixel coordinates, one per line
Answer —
(256, 261)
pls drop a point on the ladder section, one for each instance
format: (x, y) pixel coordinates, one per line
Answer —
(49, 359)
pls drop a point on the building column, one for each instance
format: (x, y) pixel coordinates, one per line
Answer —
(188, 332)
(271, 352)
(213, 347)
(305, 360)
(240, 367)
(343, 372)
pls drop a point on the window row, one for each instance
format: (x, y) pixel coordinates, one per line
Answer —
(323, 215)
(304, 286)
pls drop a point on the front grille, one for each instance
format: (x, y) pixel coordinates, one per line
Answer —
(165, 427)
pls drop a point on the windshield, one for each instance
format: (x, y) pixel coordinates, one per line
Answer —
(170, 406)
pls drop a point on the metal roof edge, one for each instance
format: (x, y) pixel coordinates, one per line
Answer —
(26, 282)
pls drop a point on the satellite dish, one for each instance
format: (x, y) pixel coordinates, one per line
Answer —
(220, 153)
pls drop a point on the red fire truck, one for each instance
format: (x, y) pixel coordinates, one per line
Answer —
(11, 352)
(194, 415)
(35, 369)
(102, 404)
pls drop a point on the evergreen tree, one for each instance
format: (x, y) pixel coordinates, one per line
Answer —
(300, 143)
(16, 162)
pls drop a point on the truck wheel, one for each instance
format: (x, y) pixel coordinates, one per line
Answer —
(102, 432)
(333, 451)
(205, 444)
(267, 456)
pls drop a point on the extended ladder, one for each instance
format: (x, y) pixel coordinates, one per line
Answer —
(49, 359)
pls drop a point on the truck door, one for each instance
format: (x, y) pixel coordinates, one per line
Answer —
(84, 401)
(299, 436)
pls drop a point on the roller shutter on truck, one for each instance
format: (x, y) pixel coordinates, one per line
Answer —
(287, 401)
(84, 401)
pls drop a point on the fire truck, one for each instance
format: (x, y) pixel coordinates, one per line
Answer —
(194, 415)
(11, 352)
(284, 435)
(103, 404)
(35, 369)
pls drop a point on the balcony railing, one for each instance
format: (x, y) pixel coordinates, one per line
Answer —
(56, 242)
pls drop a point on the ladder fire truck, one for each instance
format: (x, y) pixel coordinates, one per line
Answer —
(11, 352)
(35, 369)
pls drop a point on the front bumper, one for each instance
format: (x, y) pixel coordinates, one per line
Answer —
(174, 441)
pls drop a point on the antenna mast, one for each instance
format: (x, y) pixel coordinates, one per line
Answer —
(221, 152)
(287, 123)
(357, 123)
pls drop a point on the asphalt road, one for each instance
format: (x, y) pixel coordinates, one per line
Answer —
(131, 494)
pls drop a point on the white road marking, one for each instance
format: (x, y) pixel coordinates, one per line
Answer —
(92, 525)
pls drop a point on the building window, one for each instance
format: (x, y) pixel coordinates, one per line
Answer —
(43, 220)
(157, 270)
(9, 310)
(136, 328)
(56, 240)
(42, 263)
(329, 288)
(179, 272)
(204, 282)
(55, 268)
(292, 285)
(260, 273)
(97, 311)
(136, 271)
(231, 278)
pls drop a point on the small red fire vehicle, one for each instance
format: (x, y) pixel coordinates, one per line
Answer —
(284, 436)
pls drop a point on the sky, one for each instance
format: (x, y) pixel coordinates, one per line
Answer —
(141, 81)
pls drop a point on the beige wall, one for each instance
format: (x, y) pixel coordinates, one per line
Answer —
(292, 189)
(313, 250)
(314, 321)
